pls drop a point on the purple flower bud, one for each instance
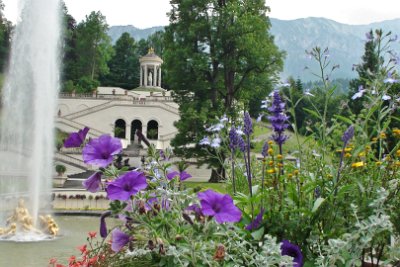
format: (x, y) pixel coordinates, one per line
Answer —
(248, 124)
(348, 134)
(256, 222)
(278, 118)
(233, 138)
(162, 155)
(103, 226)
(265, 148)
(241, 144)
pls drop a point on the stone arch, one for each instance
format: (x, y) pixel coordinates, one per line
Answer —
(152, 130)
(135, 125)
(120, 128)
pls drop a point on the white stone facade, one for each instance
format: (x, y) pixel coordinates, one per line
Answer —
(121, 113)
(100, 112)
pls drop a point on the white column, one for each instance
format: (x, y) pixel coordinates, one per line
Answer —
(144, 131)
(159, 76)
(128, 133)
(141, 76)
(145, 75)
(154, 75)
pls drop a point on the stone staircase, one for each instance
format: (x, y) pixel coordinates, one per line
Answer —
(133, 150)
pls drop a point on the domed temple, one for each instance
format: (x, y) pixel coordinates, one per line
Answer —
(147, 110)
(121, 113)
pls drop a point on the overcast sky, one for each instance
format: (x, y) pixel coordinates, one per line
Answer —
(148, 13)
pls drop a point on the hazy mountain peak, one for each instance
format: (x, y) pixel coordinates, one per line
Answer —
(345, 42)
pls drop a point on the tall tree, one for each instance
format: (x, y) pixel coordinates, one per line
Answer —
(70, 56)
(367, 70)
(93, 46)
(219, 55)
(5, 37)
(124, 65)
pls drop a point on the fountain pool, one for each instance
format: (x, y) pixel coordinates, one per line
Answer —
(73, 233)
(29, 99)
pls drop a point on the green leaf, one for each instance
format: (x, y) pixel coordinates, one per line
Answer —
(317, 203)
(258, 234)
(312, 112)
(344, 119)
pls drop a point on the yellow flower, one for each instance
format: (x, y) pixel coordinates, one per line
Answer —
(374, 139)
(270, 151)
(361, 154)
(348, 149)
(290, 176)
(382, 135)
(271, 171)
(347, 155)
(279, 157)
(396, 132)
(398, 152)
(367, 148)
(378, 163)
(270, 142)
(358, 164)
(271, 163)
(280, 165)
(296, 172)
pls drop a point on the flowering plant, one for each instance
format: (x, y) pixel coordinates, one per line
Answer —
(164, 223)
(333, 202)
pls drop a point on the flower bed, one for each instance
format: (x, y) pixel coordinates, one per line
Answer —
(336, 204)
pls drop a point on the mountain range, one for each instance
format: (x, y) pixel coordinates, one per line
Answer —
(295, 37)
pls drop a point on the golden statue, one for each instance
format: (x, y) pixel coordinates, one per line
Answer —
(21, 220)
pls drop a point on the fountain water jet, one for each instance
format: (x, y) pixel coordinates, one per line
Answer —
(29, 108)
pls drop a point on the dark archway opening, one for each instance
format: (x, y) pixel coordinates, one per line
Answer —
(152, 130)
(119, 128)
(135, 125)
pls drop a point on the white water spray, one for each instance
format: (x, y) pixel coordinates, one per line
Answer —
(29, 107)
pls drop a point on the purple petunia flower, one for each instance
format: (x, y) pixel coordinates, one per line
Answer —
(219, 206)
(76, 139)
(182, 175)
(103, 226)
(127, 185)
(278, 119)
(93, 183)
(100, 151)
(119, 239)
(289, 249)
(256, 222)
